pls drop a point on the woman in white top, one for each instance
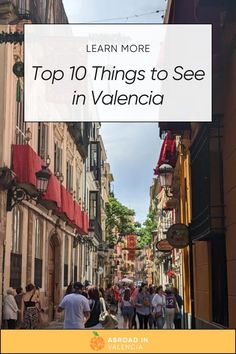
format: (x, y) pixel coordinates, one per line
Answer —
(127, 309)
(10, 309)
(158, 303)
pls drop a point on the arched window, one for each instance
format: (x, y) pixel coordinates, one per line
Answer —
(38, 261)
(16, 256)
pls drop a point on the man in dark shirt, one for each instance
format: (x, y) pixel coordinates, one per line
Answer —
(178, 315)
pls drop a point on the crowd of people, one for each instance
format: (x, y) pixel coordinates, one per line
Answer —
(151, 305)
(144, 307)
(22, 309)
(87, 306)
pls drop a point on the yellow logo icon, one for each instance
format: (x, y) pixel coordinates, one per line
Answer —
(97, 342)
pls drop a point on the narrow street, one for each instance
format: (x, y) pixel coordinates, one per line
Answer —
(136, 212)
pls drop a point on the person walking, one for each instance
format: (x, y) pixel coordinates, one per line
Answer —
(152, 319)
(143, 306)
(134, 294)
(127, 309)
(170, 308)
(39, 308)
(69, 289)
(31, 305)
(178, 314)
(158, 303)
(109, 295)
(18, 299)
(95, 308)
(111, 302)
(10, 309)
(76, 307)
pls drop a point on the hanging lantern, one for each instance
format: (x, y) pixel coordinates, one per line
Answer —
(42, 179)
(166, 175)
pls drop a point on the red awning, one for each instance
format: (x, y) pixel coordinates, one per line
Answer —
(85, 222)
(26, 163)
(78, 217)
(67, 204)
(168, 153)
(53, 192)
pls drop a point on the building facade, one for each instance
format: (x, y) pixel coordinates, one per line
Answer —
(55, 239)
(207, 158)
(168, 269)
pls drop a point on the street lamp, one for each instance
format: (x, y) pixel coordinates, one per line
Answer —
(91, 233)
(42, 179)
(166, 173)
(77, 239)
(17, 194)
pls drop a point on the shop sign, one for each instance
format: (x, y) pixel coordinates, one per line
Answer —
(131, 241)
(178, 235)
(164, 246)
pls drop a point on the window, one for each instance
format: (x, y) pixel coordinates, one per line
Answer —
(166, 220)
(66, 258)
(43, 140)
(69, 177)
(20, 125)
(93, 155)
(95, 160)
(16, 257)
(57, 159)
(78, 187)
(38, 263)
(93, 205)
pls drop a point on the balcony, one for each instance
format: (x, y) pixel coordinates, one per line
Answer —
(96, 171)
(95, 224)
(80, 133)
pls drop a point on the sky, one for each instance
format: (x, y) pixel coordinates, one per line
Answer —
(132, 148)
